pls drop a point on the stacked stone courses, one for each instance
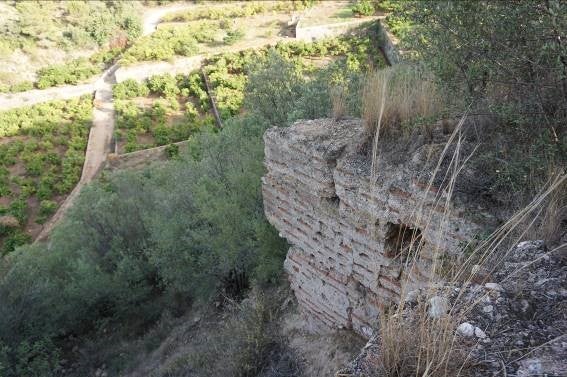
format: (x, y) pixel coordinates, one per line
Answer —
(342, 225)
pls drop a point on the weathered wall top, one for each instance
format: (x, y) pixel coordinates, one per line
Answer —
(346, 232)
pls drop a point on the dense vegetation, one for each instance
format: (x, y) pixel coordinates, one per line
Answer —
(166, 109)
(162, 110)
(203, 212)
(227, 73)
(176, 40)
(234, 11)
(67, 25)
(140, 246)
(503, 62)
(41, 157)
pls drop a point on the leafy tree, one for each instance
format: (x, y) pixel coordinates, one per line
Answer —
(507, 61)
(506, 54)
(273, 85)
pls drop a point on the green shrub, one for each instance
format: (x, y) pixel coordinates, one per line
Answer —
(161, 135)
(13, 240)
(230, 11)
(363, 8)
(272, 87)
(130, 89)
(46, 209)
(233, 36)
(70, 73)
(167, 42)
(191, 112)
(172, 151)
(21, 86)
(164, 85)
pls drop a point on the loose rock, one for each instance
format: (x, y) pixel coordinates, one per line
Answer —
(466, 329)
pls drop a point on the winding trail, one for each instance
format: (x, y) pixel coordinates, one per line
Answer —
(102, 129)
(31, 97)
(100, 134)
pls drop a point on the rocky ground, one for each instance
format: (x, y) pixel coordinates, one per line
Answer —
(514, 325)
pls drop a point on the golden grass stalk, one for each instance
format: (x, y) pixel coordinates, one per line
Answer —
(407, 94)
(338, 102)
(411, 342)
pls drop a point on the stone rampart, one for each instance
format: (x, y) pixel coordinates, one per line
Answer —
(347, 234)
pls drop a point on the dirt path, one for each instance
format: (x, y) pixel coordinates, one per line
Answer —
(100, 136)
(98, 147)
(152, 17)
(31, 97)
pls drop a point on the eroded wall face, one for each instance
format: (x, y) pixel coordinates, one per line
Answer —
(348, 236)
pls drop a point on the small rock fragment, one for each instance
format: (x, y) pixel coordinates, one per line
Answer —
(479, 333)
(438, 307)
(466, 329)
(530, 367)
(494, 287)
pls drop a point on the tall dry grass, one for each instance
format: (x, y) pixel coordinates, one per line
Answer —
(338, 102)
(397, 96)
(412, 342)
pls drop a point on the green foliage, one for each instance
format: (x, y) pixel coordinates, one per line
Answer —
(228, 11)
(273, 85)
(49, 141)
(501, 59)
(135, 240)
(21, 86)
(167, 42)
(227, 72)
(46, 209)
(363, 8)
(189, 224)
(31, 359)
(165, 85)
(14, 239)
(160, 123)
(68, 25)
(70, 73)
(130, 89)
(99, 20)
(233, 36)
(172, 151)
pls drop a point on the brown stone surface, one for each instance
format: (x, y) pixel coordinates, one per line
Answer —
(318, 194)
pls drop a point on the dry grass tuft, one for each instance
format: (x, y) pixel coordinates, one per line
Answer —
(412, 343)
(553, 225)
(398, 96)
(338, 102)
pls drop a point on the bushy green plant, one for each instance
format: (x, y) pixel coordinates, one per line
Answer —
(164, 85)
(52, 154)
(46, 209)
(474, 49)
(190, 111)
(14, 239)
(21, 86)
(272, 87)
(167, 42)
(363, 8)
(172, 151)
(233, 36)
(70, 73)
(129, 89)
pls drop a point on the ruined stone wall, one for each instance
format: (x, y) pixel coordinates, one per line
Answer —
(142, 158)
(344, 230)
(313, 33)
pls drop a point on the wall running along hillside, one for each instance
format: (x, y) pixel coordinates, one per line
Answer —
(345, 231)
